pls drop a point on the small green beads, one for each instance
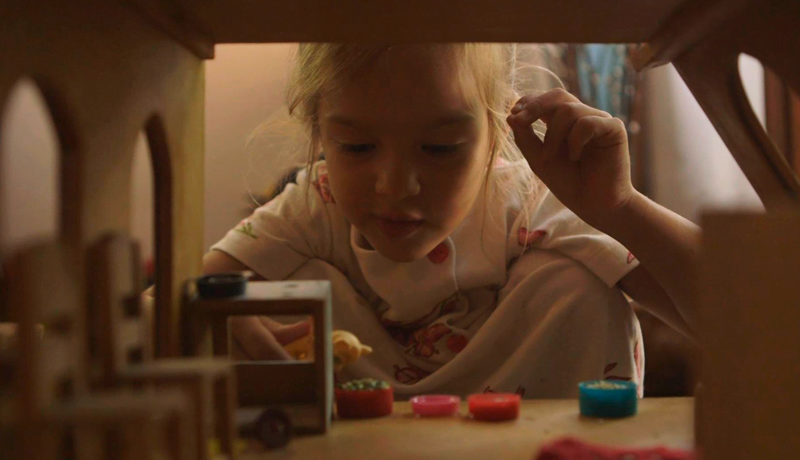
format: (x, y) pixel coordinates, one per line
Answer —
(364, 384)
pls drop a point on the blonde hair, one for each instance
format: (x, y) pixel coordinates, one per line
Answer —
(496, 69)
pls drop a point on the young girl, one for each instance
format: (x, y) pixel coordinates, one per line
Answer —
(464, 271)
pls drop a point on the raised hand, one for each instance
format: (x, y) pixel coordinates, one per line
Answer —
(584, 157)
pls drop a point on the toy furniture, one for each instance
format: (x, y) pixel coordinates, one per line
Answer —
(123, 340)
(308, 386)
(51, 399)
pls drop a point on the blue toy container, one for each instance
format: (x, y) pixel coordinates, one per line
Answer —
(608, 398)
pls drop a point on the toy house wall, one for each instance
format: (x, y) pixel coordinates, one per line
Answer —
(105, 75)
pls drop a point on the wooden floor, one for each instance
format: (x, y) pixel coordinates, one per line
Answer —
(666, 421)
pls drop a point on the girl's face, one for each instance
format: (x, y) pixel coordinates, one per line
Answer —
(407, 146)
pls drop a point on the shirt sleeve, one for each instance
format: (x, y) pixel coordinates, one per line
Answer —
(551, 225)
(283, 234)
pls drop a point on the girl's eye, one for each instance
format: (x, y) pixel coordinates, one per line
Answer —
(357, 149)
(441, 149)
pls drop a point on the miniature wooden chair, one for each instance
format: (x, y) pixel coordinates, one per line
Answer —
(149, 425)
(45, 291)
(123, 346)
(297, 387)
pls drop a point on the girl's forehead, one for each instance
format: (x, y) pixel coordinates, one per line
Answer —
(408, 81)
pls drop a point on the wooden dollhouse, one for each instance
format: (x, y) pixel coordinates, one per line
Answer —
(110, 68)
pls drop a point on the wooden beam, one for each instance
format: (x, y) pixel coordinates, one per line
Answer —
(779, 112)
(711, 72)
(704, 41)
(690, 24)
(170, 19)
(794, 132)
(259, 21)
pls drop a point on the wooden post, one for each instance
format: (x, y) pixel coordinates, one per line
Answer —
(749, 328)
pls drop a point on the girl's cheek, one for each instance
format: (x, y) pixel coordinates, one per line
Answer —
(460, 187)
(348, 188)
(453, 192)
(460, 178)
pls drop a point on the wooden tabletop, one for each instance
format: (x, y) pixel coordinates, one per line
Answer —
(660, 421)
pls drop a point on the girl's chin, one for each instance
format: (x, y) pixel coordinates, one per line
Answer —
(401, 251)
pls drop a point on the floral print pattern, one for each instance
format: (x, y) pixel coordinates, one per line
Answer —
(439, 253)
(527, 237)
(409, 374)
(246, 227)
(323, 185)
(457, 342)
(423, 340)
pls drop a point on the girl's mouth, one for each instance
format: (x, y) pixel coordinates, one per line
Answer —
(395, 227)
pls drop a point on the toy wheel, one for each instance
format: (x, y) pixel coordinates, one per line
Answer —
(273, 428)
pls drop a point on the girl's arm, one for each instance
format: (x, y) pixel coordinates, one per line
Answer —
(667, 246)
(584, 161)
(220, 262)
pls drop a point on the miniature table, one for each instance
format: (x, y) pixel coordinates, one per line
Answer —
(660, 421)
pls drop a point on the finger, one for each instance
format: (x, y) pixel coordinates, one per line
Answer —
(587, 129)
(269, 323)
(580, 135)
(548, 97)
(237, 352)
(528, 143)
(537, 105)
(256, 340)
(524, 100)
(559, 126)
(288, 333)
(544, 107)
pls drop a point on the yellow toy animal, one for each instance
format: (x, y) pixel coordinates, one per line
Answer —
(346, 348)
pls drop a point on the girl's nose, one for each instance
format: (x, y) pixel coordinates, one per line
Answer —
(397, 177)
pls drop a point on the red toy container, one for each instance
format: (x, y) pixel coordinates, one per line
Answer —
(367, 403)
(435, 405)
(494, 407)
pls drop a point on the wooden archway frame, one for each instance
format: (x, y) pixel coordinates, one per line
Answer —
(68, 159)
(163, 229)
(704, 41)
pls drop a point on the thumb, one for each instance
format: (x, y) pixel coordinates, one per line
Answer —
(529, 144)
(290, 332)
